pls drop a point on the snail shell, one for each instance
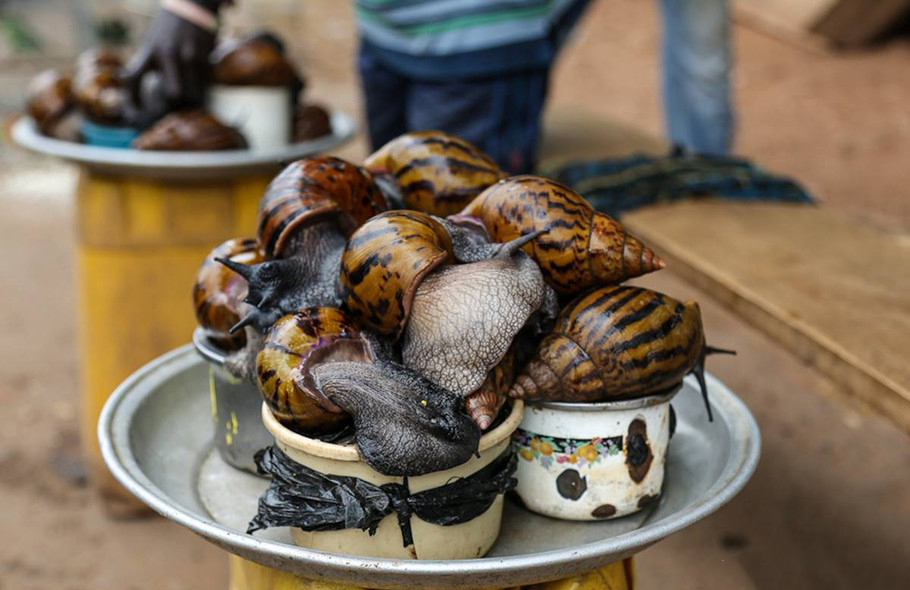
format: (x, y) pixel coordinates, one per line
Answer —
(435, 172)
(293, 347)
(218, 292)
(252, 62)
(484, 404)
(614, 343)
(311, 122)
(313, 189)
(49, 97)
(582, 248)
(96, 86)
(384, 263)
(192, 130)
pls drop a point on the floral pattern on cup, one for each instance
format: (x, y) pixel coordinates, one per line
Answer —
(548, 450)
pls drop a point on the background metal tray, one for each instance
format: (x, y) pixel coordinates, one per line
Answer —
(155, 434)
(179, 165)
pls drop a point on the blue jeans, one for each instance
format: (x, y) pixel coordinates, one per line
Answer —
(696, 76)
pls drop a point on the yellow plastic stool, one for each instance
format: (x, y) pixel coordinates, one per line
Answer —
(139, 244)
(246, 575)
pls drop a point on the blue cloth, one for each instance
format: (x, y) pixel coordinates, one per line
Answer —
(697, 60)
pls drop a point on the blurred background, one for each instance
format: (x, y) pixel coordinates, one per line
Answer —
(821, 95)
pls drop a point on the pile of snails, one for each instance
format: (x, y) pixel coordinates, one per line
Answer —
(414, 296)
(95, 92)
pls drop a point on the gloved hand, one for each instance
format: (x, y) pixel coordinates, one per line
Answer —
(179, 50)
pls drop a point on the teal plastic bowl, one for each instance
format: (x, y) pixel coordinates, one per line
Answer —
(105, 136)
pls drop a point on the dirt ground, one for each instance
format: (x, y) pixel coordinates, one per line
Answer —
(828, 507)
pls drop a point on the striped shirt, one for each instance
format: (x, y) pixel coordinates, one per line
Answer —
(465, 37)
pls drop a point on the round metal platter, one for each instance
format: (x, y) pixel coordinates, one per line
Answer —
(156, 437)
(179, 165)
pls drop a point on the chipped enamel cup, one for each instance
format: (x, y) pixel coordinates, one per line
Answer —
(593, 461)
(239, 432)
(459, 541)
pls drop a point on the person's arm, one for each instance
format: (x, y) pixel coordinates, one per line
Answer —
(178, 45)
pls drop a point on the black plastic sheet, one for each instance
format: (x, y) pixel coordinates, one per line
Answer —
(313, 501)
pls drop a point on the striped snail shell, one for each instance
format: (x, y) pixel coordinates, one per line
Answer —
(49, 97)
(583, 248)
(434, 172)
(296, 344)
(484, 404)
(614, 343)
(311, 189)
(383, 264)
(191, 130)
(218, 292)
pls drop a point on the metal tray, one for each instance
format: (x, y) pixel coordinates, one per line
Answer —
(179, 165)
(155, 434)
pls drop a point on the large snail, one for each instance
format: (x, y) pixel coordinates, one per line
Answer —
(218, 293)
(582, 248)
(399, 278)
(49, 99)
(304, 217)
(293, 346)
(613, 343)
(433, 172)
(191, 130)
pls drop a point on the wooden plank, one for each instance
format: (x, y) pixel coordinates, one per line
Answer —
(833, 291)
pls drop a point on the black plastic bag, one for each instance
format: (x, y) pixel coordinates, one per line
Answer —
(312, 501)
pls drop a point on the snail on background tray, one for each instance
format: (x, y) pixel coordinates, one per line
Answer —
(582, 248)
(616, 343)
(191, 130)
(257, 61)
(49, 99)
(97, 87)
(432, 171)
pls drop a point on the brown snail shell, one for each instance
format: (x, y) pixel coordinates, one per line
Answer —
(311, 122)
(252, 62)
(219, 292)
(614, 343)
(484, 404)
(191, 130)
(384, 263)
(313, 189)
(583, 248)
(49, 97)
(293, 346)
(436, 173)
(100, 95)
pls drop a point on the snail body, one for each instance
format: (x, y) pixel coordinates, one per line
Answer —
(190, 130)
(464, 317)
(434, 172)
(615, 343)
(582, 248)
(404, 423)
(293, 346)
(218, 293)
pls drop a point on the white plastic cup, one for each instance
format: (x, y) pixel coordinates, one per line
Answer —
(261, 113)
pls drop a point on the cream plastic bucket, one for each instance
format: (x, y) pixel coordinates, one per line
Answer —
(261, 113)
(460, 541)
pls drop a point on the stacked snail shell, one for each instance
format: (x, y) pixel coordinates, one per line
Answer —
(419, 328)
(50, 102)
(190, 130)
(97, 89)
